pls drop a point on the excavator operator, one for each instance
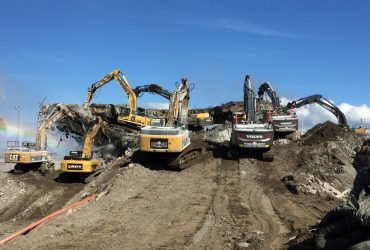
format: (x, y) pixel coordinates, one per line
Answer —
(362, 165)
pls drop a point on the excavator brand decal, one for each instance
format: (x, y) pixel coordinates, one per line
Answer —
(74, 166)
(14, 157)
(254, 136)
(159, 143)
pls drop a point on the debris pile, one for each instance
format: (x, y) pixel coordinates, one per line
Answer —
(113, 143)
(218, 134)
(324, 162)
(326, 131)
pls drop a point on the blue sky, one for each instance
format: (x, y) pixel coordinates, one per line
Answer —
(56, 49)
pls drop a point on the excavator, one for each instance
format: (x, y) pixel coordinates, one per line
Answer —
(362, 129)
(127, 116)
(196, 120)
(35, 155)
(323, 102)
(199, 119)
(284, 123)
(170, 142)
(247, 133)
(82, 162)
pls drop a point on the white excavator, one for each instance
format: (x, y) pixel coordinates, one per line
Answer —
(169, 141)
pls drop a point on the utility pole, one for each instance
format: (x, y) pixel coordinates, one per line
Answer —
(18, 108)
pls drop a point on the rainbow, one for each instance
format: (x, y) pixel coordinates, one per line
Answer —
(25, 134)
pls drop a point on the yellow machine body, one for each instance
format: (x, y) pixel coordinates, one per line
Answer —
(164, 139)
(362, 131)
(200, 115)
(136, 120)
(79, 166)
(26, 157)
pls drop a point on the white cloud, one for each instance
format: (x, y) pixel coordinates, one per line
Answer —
(284, 101)
(354, 114)
(310, 115)
(243, 26)
(155, 105)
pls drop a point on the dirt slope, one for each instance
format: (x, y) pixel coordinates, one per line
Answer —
(215, 204)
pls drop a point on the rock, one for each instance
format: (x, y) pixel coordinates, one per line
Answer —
(242, 245)
(257, 232)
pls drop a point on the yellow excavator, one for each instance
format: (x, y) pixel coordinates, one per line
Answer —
(170, 143)
(362, 129)
(199, 120)
(82, 162)
(128, 116)
(32, 156)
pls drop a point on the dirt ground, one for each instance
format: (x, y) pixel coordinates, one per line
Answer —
(215, 204)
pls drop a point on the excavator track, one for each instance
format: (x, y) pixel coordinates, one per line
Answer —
(187, 157)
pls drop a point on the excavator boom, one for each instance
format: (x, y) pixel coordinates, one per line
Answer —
(266, 87)
(60, 111)
(152, 88)
(127, 116)
(323, 102)
(249, 100)
(115, 74)
(178, 106)
(89, 138)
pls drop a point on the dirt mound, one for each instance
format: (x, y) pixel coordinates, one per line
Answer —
(322, 132)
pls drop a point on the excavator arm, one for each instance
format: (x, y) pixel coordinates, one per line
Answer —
(89, 138)
(116, 75)
(249, 100)
(152, 88)
(266, 87)
(331, 107)
(178, 106)
(59, 112)
(323, 102)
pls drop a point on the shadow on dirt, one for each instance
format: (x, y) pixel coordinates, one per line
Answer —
(220, 150)
(151, 161)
